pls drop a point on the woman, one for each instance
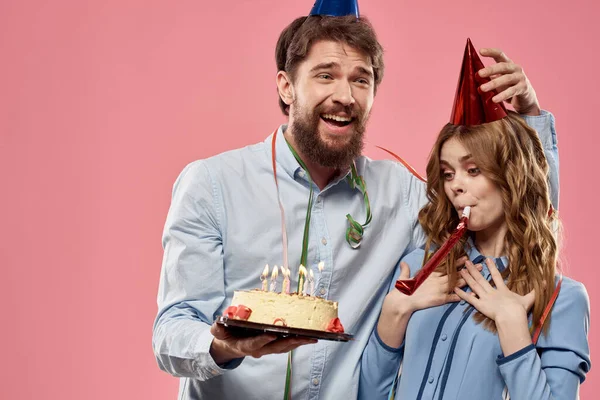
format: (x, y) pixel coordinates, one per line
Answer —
(481, 347)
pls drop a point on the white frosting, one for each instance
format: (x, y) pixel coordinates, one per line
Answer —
(307, 312)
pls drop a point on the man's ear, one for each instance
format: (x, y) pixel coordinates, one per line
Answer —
(285, 87)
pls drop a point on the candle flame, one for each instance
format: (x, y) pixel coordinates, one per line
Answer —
(285, 272)
(302, 271)
(321, 266)
(265, 272)
(311, 276)
(275, 272)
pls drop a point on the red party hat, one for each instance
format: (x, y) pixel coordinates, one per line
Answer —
(471, 106)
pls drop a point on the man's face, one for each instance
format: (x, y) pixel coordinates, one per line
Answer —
(333, 94)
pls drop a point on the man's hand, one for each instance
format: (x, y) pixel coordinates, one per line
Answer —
(226, 347)
(510, 81)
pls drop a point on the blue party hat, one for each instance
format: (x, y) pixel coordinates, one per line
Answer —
(335, 8)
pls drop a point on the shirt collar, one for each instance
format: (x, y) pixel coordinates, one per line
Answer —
(477, 258)
(285, 158)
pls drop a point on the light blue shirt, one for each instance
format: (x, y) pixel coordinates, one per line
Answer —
(224, 226)
(447, 355)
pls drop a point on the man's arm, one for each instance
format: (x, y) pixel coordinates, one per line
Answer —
(192, 288)
(513, 86)
(544, 125)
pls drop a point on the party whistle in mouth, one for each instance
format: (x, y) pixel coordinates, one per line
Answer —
(409, 286)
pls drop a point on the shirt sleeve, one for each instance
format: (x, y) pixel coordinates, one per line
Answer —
(562, 359)
(380, 363)
(379, 366)
(191, 287)
(545, 126)
(415, 198)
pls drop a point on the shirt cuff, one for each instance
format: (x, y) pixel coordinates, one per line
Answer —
(205, 366)
(385, 346)
(543, 123)
(516, 355)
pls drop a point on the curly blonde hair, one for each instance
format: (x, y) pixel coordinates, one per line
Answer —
(510, 154)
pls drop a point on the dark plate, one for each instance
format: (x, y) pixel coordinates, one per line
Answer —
(246, 328)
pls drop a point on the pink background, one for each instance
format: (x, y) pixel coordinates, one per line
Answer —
(103, 103)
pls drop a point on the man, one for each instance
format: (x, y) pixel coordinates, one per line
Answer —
(224, 223)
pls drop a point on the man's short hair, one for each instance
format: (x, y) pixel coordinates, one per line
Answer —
(296, 39)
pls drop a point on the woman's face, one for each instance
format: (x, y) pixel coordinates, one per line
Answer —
(465, 185)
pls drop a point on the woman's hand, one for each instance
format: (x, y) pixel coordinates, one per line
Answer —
(398, 307)
(495, 303)
(507, 309)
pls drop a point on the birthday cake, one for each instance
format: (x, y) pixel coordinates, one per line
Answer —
(291, 310)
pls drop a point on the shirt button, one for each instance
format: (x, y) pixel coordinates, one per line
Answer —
(462, 302)
(322, 291)
(324, 241)
(430, 380)
(301, 174)
(444, 337)
(315, 381)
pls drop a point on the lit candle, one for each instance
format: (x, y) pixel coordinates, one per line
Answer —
(311, 281)
(274, 278)
(301, 275)
(285, 288)
(321, 266)
(263, 278)
(305, 288)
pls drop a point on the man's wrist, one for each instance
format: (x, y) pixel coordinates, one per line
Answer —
(220, 352)
(533, 111)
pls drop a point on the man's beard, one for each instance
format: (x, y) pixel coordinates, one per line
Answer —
(310, 144)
